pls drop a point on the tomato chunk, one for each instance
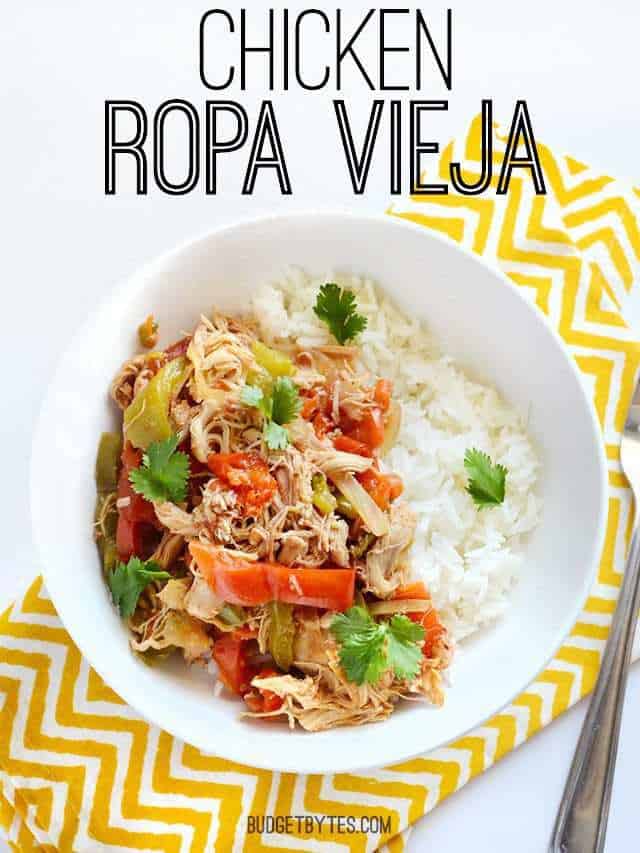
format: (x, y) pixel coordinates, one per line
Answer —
(351, 445)
(322, 425)
(309, 407)
(229, 653)
(396, 486)
(249, 584)
(434, 630)
(248, 475)
(369, 430)
(383, 488)
(177, 348)
(382, 393)
(415, 590)
(266, 700)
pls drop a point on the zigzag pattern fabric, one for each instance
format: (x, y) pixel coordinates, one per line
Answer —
(80, 771)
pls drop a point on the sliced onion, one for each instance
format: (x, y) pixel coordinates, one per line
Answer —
(391, 427)
(368, 510)
(337, 461)
(407, 605)
(335, 351)
(324, 365)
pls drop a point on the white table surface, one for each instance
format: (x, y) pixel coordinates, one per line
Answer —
(64, 245)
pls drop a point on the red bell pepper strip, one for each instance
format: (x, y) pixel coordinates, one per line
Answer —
(434, 630)
(229, 653)
(351, 445)
(135, 511)
(236, 672)
(249, 584)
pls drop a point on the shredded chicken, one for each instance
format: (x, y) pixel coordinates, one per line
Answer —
(169, 549)
(201, 602)
(218, 511)
(182, 414)
(310, 641)
(172, 628)
(293, 548)
(173, 593)
(387, 566)
(176, 520)
(133, 376)
(220, 352)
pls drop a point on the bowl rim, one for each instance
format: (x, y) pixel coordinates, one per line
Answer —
(239, 750)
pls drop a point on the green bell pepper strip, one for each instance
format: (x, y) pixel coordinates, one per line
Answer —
(276, 363)
(345, 508)
(108, 462)
(106, 521)
(147, 419)
(321, 497)
(233, 614)
(281, 634)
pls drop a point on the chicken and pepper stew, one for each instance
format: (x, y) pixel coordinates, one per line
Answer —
(245, 517)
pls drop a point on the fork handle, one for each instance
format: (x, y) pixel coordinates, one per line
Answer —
(581, 823)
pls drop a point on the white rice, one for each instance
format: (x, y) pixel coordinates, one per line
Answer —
(468, 559)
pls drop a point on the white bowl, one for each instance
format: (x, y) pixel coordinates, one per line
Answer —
(483, 320)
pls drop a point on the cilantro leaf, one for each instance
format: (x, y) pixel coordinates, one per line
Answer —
(354, 620)
(286, 401)
(254, 397)
(486, 481)
(127, 581)
(369, 648)
(361, 641)
(275, 436)
(279, 405)
(338, 309)
(403, 649)
(164, 473)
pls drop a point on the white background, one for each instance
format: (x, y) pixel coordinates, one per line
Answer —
(64, 244)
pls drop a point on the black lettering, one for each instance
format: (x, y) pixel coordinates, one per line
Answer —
(358, 166)
(205, 81)
(193, 169)
(132, 146)
(521, 127)
(267, 130)
(384, 49)
(348, 49)
(418, 148)
(214, 145)
(455, 169)
(395, 171)
(325, 78)
(244, 49)
(445, 68)
(285, 49)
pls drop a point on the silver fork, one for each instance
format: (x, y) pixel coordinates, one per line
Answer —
(581, 823)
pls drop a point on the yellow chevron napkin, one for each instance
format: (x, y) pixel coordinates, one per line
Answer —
(81, 771)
